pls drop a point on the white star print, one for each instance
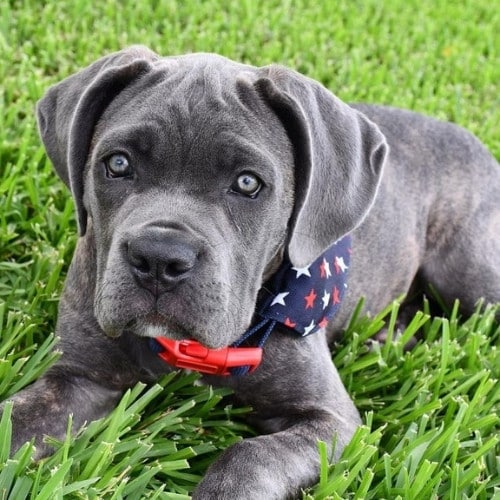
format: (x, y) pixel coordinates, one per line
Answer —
(302, 271)
(280, 298)
(325, 299)
(326, 267)
(339, 261)
(309, 328)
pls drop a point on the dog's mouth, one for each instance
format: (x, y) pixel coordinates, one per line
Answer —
(212, 322)
(155, 325)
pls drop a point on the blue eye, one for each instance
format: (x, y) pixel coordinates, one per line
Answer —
(118, 165)
(247, 184)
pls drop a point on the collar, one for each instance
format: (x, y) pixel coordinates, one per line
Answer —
(303, 300)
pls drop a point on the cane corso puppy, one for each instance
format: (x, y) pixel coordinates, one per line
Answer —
(230, 219)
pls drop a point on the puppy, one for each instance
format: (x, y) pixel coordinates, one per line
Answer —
(230, 218)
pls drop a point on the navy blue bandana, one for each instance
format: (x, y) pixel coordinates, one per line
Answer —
(302, 299)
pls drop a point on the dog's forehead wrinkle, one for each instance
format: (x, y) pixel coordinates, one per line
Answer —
(203, 85)
(139, 136)
(198, 83)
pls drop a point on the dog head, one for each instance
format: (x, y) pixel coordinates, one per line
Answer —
(195, 175)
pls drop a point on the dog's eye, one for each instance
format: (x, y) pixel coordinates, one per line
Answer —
(247, 184)
(117, 165)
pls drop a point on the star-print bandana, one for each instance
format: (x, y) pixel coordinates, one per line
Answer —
(302, 299)
(305, 299)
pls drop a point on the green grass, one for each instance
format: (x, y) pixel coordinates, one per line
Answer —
(431, 416)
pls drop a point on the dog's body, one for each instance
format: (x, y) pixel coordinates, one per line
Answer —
(193, 177)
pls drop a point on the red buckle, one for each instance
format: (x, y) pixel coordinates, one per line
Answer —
(191, 355)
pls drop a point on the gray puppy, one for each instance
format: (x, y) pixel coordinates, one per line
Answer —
(196, 179)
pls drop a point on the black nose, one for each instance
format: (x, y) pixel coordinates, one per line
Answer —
(159, 260)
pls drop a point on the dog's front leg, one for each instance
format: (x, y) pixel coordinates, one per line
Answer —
(89, 378)
(298, 399)
(43, 408)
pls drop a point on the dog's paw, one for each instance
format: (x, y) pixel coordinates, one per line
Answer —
(270, 467)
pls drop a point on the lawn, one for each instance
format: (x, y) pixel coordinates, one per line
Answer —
(431, 415)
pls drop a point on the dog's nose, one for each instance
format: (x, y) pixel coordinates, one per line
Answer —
(160, 262)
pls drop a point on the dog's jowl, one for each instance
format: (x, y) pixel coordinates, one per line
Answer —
(230, 219)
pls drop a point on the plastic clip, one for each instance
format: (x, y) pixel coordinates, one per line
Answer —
(191, 355)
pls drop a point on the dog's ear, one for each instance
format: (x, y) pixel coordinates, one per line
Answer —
(339, 155)
(69, 111)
